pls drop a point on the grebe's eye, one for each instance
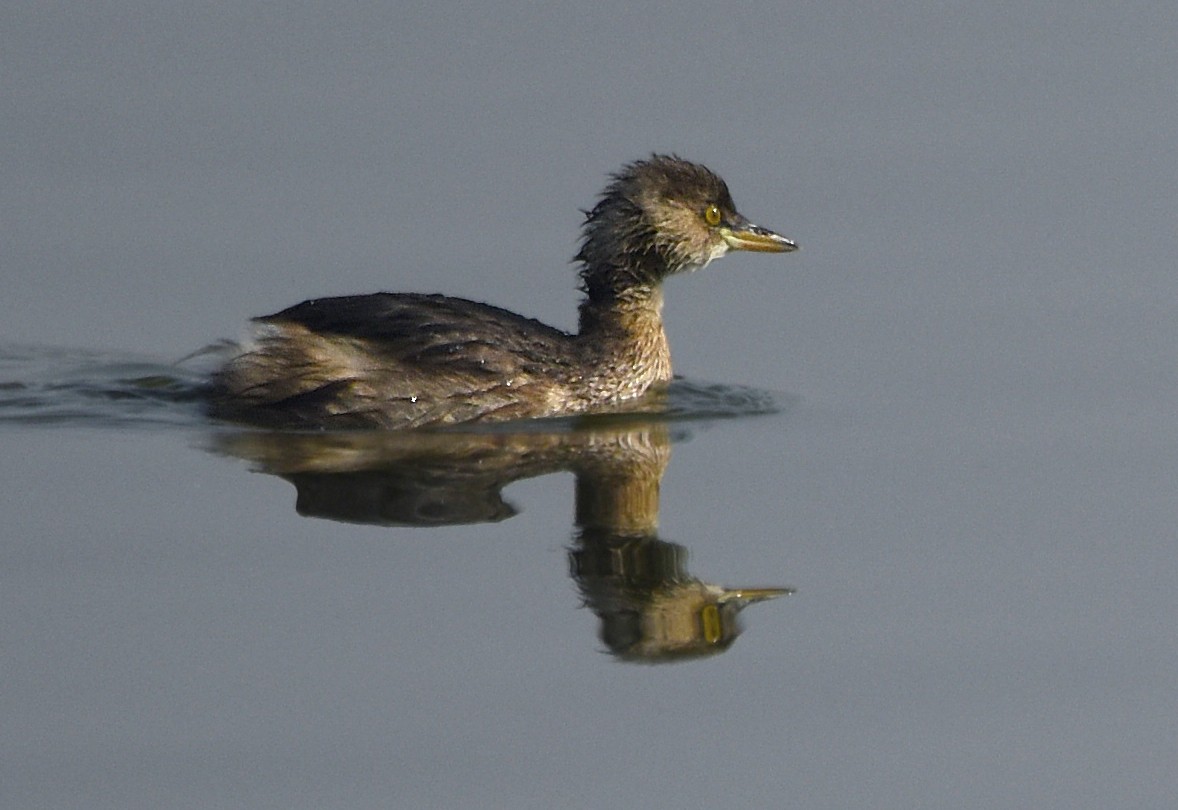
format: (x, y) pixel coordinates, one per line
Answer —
(712, 215)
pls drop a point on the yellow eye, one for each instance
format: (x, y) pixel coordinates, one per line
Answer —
(712, 215)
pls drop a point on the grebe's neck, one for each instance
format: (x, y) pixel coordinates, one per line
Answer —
(624, 335)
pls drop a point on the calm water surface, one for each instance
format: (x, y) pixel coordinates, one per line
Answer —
(186, 628)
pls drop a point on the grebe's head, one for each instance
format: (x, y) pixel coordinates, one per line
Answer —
(661, 216)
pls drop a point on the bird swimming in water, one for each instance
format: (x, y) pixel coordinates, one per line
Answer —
(404, 360)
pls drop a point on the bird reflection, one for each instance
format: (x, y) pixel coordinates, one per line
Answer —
(651, 609)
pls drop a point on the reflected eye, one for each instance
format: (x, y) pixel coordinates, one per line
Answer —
(712, 215)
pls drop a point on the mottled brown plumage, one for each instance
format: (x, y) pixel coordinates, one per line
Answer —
(398, 360)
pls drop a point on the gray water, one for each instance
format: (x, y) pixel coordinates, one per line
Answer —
(946, 423)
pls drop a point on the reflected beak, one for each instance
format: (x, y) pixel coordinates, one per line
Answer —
(744, 235)
(746, 596)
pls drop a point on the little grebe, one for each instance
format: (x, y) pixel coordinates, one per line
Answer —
(400, 360)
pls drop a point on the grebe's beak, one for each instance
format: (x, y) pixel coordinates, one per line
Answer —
(740, 234)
